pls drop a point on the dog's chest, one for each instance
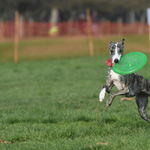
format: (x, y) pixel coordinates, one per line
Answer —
(116, 78)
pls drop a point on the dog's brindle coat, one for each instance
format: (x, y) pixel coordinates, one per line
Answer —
(130, 85)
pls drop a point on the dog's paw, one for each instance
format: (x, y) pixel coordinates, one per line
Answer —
(108, 103)
(102, 95)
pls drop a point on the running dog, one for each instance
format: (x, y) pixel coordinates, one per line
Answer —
(128, 85)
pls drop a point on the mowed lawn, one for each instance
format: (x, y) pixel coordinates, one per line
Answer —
(65, 47)
(54, 105)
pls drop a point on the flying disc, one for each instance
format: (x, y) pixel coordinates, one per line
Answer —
(130, 63)
(53, 30)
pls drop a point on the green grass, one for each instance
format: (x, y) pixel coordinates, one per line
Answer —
(54, 105)
(57, 48)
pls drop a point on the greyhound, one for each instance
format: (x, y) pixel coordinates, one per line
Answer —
(129, 85)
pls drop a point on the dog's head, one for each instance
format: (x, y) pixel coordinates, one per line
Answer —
(116, 51)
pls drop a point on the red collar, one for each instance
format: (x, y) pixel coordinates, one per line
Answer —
(108, 62)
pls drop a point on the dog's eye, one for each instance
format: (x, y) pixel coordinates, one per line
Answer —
(120, 51)
(113, 47)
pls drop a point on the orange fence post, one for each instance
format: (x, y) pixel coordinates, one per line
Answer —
(89, 32)
(16, 36)
(1, 30)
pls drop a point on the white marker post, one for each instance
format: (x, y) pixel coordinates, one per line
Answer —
(148, 21)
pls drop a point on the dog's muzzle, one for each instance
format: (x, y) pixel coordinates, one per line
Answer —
(116, 60)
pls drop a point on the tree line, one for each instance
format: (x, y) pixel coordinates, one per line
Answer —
(40, 10)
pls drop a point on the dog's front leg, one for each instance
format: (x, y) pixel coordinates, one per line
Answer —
(112, 96)
(105, 89)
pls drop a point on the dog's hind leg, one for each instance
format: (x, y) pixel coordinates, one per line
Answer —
(142, 101)
(120, 92)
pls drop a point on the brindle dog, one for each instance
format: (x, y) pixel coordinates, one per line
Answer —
(128, 85)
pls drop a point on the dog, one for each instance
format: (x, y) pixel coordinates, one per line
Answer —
(129, 85)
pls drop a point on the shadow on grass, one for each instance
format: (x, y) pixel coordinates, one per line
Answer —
(51, 120)
(83, 118)
(108, 120)
(31, 120)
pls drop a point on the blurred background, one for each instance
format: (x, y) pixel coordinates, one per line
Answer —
(48, 98)
(53, 29)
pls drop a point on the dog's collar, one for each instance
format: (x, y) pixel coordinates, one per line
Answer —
(108, 63)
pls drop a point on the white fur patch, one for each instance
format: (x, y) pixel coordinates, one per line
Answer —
(116, 55)
(102, 94)
(116, 80)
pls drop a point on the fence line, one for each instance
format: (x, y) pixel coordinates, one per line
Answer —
(41, 29)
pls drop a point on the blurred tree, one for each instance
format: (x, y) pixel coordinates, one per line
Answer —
(40, 10)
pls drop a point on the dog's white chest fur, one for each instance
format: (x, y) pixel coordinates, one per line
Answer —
(116, 80)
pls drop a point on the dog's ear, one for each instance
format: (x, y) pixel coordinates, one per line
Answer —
(110, 42)
(122, 42)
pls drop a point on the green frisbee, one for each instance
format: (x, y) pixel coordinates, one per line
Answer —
(130, 63)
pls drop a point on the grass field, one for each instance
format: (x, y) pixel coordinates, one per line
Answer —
(57, 48)
(53, 104)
